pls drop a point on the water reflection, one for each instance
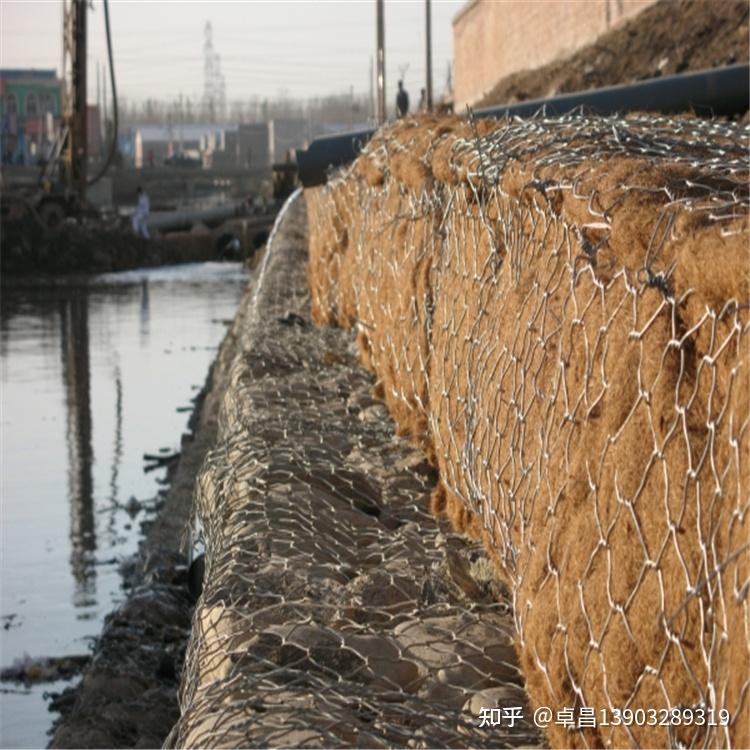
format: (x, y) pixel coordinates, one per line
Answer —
(117, 447)
(74, 337)
(145, 312)
(91, 378)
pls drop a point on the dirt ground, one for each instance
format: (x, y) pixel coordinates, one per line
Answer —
(670, 37)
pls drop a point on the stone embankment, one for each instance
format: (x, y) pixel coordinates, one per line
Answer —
(336, 611)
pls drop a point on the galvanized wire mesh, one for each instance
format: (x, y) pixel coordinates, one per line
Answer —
(556, 312)
(556, 315)
(335, 611)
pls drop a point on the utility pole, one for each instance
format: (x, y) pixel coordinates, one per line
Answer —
(100, 73)
(74, 75)
(209, 74)
(104, 102)
(428, 38)
(99, 96)
(371, 113)
(214, 85)
(181, 138)
(380, 22)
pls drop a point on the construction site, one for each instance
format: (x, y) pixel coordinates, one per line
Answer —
(470, 463)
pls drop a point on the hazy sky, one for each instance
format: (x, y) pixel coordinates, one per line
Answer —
(299, 47)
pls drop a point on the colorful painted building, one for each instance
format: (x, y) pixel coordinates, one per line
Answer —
(30, 114)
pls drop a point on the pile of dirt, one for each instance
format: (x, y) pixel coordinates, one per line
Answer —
(557, 312)
(672, 36)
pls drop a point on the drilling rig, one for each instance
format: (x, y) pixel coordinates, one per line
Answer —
(73, 164)
(64, 178)
(61, 188)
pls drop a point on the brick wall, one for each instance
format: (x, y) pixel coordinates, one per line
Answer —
(492, 38)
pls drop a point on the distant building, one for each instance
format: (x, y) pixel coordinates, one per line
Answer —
(254, 145)
(228, 154)
(285, 135)
(492, 40)
(30, 114)
(152, 144)
(262, 144)
(249, 146)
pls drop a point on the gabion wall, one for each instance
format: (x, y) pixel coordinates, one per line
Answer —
(336, 610)
(556, 312)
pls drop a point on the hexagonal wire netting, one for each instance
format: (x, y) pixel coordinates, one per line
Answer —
(555, 312)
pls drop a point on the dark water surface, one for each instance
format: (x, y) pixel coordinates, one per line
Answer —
(92, 377)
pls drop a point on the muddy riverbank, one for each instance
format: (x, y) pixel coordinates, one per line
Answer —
(75, 248)
(95, 248)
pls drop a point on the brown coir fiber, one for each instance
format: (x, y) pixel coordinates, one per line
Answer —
(557, 310)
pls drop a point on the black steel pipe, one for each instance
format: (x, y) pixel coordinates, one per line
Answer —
(715, 92)
(329, 151)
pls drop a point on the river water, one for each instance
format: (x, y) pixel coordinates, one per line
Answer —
(94, 375)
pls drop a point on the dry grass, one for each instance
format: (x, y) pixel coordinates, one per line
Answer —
(557, 313)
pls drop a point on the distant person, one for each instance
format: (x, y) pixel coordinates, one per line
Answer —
(422, 101)
(140, 217)
(402, 100)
